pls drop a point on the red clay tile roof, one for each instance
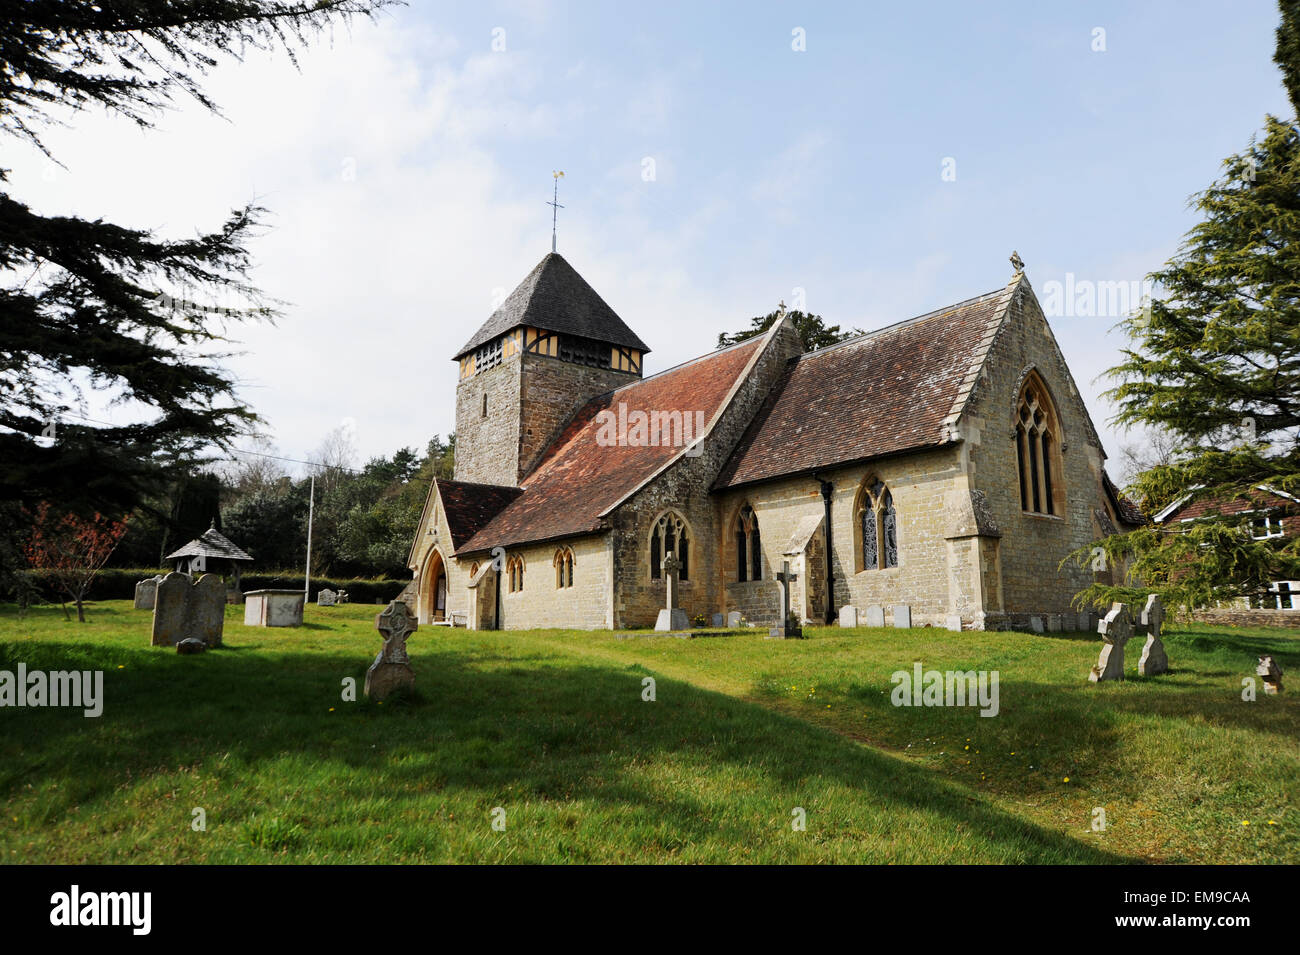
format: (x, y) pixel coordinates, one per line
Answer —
(884, 393)
(579, 479)
(469, 507)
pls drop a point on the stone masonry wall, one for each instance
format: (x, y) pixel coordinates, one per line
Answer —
(1032, 545)
(920, 485)
(551, 392)
(487, 447)
(684, 487)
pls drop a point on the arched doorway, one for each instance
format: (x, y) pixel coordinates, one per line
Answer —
(433, 603)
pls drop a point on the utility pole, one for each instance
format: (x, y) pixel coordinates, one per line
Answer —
(311, 511)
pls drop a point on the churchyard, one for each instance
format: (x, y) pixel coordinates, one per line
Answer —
(551, 746)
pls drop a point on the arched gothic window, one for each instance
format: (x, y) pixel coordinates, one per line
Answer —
(670, 535)
(563, 568)
(877, 527)
(515, 574)
(1038, 449)
(749, 546)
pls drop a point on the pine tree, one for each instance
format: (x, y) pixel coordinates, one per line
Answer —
(84, 300)
(813, 330)
(1216, 363)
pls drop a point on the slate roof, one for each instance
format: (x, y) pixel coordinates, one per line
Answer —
(469, 507)
(579, 479)
(886, 392)
(1127, 510)
(211, 543)
(555, 297)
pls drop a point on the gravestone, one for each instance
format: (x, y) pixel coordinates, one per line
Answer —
(146, 591)
(343, 596)
(953, 622)
(735, 619)
(1272, 675)
(183, 609)
(1116, 629)
(1154, 660)
(326, 598)
(849, 616)
(1036, 624)
(1053, 623)
(190, 645)
(391, 669)
(1085, 624)
(208, 609)
(671, 617)
(788, 625)
(875, 616)
(903, 616)
(718, 620)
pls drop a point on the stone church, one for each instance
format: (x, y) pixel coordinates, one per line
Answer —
(945, 464)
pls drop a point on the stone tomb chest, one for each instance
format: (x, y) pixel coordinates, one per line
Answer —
(273, 608)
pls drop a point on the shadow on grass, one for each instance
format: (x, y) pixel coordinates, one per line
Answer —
(483, 724)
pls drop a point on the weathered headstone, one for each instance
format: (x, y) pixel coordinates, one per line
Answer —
(1085, 624)
(391, 669)
(146, 591)
(849, 616)
(903, 616)
(190, 645)
(788, 625)
(1036, 624)
(208, 609)
(184, 608)
(953, 622)
(1154, 660)
(671, 617)
(875, 616)
(343, 596)
(1272, 675)
(718, 620)
(326, 598)
(1053, 623)
(1116, 629)
(735, 619)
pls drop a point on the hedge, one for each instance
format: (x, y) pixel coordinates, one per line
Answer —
(118, 583)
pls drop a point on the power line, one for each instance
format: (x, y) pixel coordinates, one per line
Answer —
(260, 454)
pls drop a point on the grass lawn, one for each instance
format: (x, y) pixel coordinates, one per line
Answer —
(551, 726)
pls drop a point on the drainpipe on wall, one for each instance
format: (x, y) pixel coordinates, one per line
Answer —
(827, 488)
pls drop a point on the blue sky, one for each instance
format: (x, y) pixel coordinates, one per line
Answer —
(408, 164)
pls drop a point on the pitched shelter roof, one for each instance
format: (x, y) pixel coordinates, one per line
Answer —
(890, 391)
(470, 507)
(582, 475)
(211, 543)
(556, 298)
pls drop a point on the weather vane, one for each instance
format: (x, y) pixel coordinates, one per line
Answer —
(554, 204)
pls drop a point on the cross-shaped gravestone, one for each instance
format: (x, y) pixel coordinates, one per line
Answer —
(1272, 674)
(1154, 659)
(671, 617)
(671, 566)
(392, 667)
(787, 624)
(1116, 629)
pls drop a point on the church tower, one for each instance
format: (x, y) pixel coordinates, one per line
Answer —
(552, 346)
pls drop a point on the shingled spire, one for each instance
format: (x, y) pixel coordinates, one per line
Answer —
(555, 298)
(552, 346)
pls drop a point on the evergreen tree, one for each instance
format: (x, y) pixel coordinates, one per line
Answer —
(84, 300)
(813, 330)
(1216, 364)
